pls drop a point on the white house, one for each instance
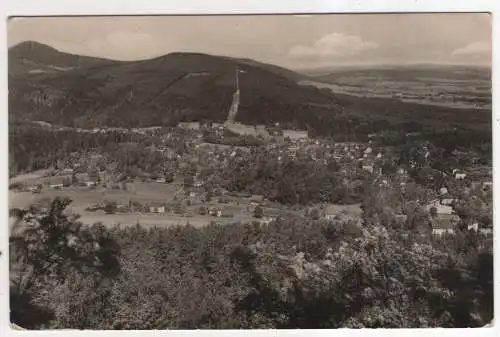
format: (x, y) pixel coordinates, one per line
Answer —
(443, 231)
(216, 212)
(157, 209)
(473, 227)
(458, 175)
(368, 168)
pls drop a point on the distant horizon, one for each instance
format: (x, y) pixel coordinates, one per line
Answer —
(290, 41)
(310, 69)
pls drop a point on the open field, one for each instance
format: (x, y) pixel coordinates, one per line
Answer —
(146, 192)
(454, 87)
(28, 178)
(143, 193)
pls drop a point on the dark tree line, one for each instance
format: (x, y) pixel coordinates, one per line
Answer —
(291, 180)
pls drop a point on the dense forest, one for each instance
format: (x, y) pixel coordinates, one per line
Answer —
(287, 274)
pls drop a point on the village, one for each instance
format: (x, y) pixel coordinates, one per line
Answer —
(192, 191)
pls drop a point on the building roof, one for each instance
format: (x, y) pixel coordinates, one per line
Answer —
(444, 222)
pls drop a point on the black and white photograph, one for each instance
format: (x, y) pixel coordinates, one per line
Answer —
(319, 171)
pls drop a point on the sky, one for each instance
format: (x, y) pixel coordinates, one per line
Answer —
(293, 41)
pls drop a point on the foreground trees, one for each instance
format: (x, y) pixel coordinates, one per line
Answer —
(287, 274)
(51, 256)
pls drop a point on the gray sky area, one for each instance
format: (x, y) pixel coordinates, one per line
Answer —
(288, 40)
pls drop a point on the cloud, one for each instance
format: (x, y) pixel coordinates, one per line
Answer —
(473, 49)
(125, 45)
(334, 44)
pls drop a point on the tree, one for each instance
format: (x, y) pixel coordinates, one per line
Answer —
(94, 174)
(109, 208)
(258, 212)
(169, 177)
(209, 195)
(53, 248)
(433, 212)
(74, 179)
(202, 210)
(314, 214)
(188, 181)
(66, 182)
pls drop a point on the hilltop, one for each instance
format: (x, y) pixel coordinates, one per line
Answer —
(91, 92)
(160, 91)
(32, 57)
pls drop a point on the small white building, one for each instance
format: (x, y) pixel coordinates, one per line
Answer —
(443, 231)
(368, 168)
(473, 227)
(459, 175)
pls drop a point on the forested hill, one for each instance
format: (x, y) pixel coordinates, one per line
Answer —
(161, 91)
(28, 58)
(64, 89)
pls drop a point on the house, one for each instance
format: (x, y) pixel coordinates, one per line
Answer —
(473, 227)
(157, 208)
(368, 167)
(216, 212)
(443, 231)
(266, 220)
(35, 188)
(400, 218)
(189, 126)
(295, 135)
(444, 225)
(440, 208)
(226, 214)
(459, 175)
